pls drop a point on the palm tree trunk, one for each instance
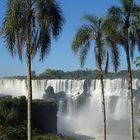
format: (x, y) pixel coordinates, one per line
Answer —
(103, 105)
(29, 79)
(29, 100)
(130, 94)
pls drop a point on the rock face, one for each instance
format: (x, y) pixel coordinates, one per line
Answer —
(45, 116)
(63, 101)
(49, 94)
(84, 97)
(59, 98)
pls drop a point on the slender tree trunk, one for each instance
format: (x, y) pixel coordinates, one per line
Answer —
(29, 100)
(130, 86)
(130, 94)
(29, 79)
(103, 105)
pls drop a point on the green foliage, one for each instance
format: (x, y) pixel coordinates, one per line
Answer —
(41, 20)
(59, 74)
(126, 25)
(13, 114)
(12, 118)
(52, 74)
(10, 111)
(94, 33)
(84, 74)
(80, 74)
(137, 61)
(13, 133)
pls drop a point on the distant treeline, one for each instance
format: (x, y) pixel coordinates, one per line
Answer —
(78, 74)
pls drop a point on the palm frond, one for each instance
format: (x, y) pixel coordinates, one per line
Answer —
(110, 28)
(49, 13)
(127, 5)
(98, 59)
(115, 56)
(46, 21)
(82, 37)
(137, 25)
(107, 63)
(115, 11)
(35, 44)
(83, 53)
(112, 35)
(101, 50)
(44, 43)
(138, 38)
(133, 40)
(92, 21)
(19, 44)
(13, 27)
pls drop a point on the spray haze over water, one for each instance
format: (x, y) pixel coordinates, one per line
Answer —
(82, 116)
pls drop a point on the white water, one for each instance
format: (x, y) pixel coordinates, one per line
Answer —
(88, 119)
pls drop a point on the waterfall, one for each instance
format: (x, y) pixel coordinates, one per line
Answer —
(83, 114)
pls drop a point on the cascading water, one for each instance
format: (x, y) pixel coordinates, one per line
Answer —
(83, 115)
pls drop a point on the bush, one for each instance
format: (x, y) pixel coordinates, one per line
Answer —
(13, 118)
(13, 133)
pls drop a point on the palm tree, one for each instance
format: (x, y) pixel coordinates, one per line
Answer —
(127, 34)
(93, 34)
(31, 24)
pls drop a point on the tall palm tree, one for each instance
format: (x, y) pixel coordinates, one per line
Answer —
(127, 34)
(31, 24)
(93, 34)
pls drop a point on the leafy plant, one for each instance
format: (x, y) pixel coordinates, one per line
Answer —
(137, 61)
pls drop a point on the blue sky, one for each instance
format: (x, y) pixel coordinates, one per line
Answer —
(61, 56)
